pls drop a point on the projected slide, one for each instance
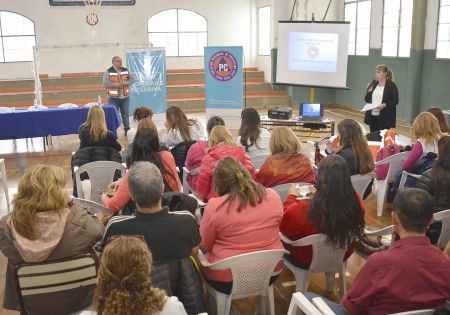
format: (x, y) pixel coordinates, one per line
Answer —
(313, 52)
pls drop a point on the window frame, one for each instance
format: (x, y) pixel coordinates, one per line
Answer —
(398, 32)
(178, 32)
(437, 34)
(270, 29)
(2, 51)
(356, 26)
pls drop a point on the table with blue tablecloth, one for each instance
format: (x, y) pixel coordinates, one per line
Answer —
(52, 121)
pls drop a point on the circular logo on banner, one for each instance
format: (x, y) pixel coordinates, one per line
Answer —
(223, 66)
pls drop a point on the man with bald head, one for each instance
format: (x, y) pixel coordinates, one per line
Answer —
(117, 80)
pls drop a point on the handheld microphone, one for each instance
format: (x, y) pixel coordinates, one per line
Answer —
(374, 82)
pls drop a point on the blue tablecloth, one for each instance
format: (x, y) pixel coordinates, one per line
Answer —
(52, 121)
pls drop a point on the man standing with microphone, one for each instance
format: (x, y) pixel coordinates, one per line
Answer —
(117, 80)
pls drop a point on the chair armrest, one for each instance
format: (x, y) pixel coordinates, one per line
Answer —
(202, 259)
(383, 231)
(322, 306)
(185, 170)
(299, 300)
(306, 241)
(404, 177)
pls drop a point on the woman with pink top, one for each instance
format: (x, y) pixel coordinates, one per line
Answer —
(244, 218)
(198, 150)
(145, 148)
(427, 132)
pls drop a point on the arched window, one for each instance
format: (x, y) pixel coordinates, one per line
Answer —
(17, 37)
(182, 32)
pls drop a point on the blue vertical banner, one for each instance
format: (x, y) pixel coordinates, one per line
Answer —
(148, 67)
(224, 83)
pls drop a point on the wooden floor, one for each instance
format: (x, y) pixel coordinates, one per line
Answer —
(21, 154)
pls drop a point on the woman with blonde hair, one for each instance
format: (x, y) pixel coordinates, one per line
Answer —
(221, 145)
(94, 131)
(124, 286)
(244, 213)
(383, 93)
(286, 164)
(427, 132)
(44, 225)
(179, 128)
(353, 148)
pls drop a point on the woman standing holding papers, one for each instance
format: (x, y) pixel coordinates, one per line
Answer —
(382, 92)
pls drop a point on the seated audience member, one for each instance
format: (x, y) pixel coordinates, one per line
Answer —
(353, 148)
(436, 181)
(94, 131)
(179, 128)
(437, 112)
(427, 132)
(44, 225)
(145, 148)
(170, 236)
(286, 164)
(252, 137)
(411, 275)
(243, 218)
(335, 209)
(198, 150)
(143, 123)
(390, 147)
(221, 145)
(138, 114)
(124, 285)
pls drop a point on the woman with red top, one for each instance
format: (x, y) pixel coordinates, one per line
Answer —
(244, 218)
(221, 145)
(198, 150)
(145, 148)
(286, 164)
(335, 210)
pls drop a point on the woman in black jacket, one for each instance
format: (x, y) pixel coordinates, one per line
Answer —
(94, 131)
(382, 92)
(437, 182)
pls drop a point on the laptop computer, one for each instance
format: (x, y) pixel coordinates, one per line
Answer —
(310, 112)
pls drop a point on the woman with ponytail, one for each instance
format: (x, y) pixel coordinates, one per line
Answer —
(436, 181)
(243, 218)
(123, 283)
(382, 92)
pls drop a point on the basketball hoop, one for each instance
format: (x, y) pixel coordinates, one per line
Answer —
(93, 8)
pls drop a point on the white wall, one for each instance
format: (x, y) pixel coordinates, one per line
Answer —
(228, 24)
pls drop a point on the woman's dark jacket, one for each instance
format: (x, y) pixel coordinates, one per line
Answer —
(390, 98)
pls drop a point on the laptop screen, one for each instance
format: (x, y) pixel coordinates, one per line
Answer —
(310, 110)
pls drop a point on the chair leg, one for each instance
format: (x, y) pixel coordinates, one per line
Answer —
(262, 305)
(223, 304)
(381, 196)
(330, 278)
(301, 280)
(5, 185)
(342, 280)
(271, 301)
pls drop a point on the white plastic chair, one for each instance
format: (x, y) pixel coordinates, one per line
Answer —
(4, 182)
(68, 105)
(41, 280)
(299, 301)
(405, 175)
(395, 164)
(361, 182)
(283, 189)
(251, 276)
(443, 216)
(387, 230)
(186, 188)
(91, 206)
(320, 308)
(101, 174)
(326, 257)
